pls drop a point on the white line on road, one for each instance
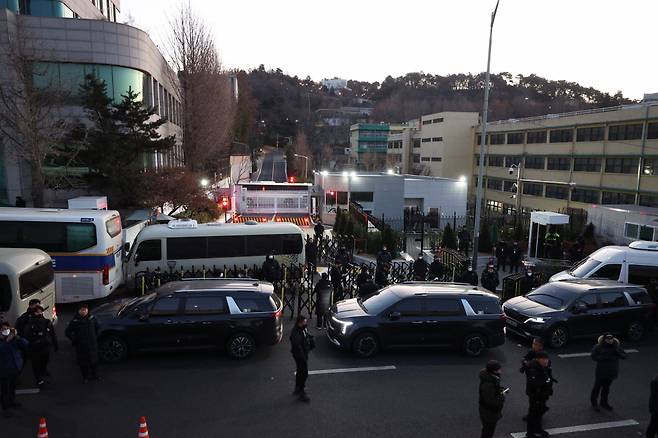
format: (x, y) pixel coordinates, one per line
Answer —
(27, 391)
(571, 355)
(583, 428)
(353, 370)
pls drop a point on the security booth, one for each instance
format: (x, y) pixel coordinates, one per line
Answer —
(547, 219)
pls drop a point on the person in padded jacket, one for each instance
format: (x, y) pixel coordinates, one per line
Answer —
(491, 399)
(606, 353)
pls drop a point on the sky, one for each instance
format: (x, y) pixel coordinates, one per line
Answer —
(606, 44)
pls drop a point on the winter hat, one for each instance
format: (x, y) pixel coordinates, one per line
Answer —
(493, 365)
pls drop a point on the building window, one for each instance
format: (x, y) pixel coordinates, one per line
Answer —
(513, 160)
(585, 196)
(436, 159)
(495, 206)
(618, 198)
(557, 192)
(362, 196)
(497, 139)
(437, 138)
(650, 166)
(649, 200)
(534, 162)
(495, 184)
(637, 231)
(533, 189)
(425, 159)
(559, 163)
(509, 186)
(625, 132)
(515, 138)
(416, 142)
(591, 133)
(561, 136)
(652, 131)
(587, 164)
(427, 122)
(496, 161)
(621, 165)
(439, 120)
(427, 140)
(535, 137)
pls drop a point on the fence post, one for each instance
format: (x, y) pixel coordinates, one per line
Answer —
(454, 221)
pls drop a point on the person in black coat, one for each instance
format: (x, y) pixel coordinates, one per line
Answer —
(384, 256)
(363, 277)
(537, 347)
(492, 398)
(381, 274)
(606, 353)
(323, 292)
(437, 269)
(539, 388)
(528, 282)
(652, 429)
(311, 254)
(514, 257)
(469, 277)
(501, 255)
(301, 342)
(489, 279)
(319, 231)
(336, 274)
(271, 269)
(83, 333)
(24, 318)
(42, 339)
(420, 268)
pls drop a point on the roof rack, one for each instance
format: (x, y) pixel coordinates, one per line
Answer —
(245, 279)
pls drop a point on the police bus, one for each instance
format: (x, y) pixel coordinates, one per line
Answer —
(85, 246)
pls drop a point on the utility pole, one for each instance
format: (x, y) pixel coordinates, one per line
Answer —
(483, 139)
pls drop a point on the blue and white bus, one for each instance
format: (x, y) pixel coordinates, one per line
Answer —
(85, 246)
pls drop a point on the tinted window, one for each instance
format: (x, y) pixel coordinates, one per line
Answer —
(610, 272)
(5, 293)
(149, 250)
(640, 297)
(204, 306)
(590, 301)
(380, 302)
(485, 306)
(409, 307)
(584, 267)
(226, 246)
(48, 236)
(642, 275)
(255, 304)
(612, 299)
(165, 306)
(443, 307)
(35, 280)
(182, 248)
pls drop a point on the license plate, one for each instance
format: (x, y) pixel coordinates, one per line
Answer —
(512, 323)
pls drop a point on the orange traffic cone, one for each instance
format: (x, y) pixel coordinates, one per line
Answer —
(143, 429)
(43, 430)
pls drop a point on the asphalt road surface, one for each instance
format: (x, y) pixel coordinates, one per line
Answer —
(274, 167)
(401, 393)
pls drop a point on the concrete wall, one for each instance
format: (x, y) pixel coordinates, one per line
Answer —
(448, 196)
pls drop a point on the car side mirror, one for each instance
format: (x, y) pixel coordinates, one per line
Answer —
(394, 316)
(580, 308)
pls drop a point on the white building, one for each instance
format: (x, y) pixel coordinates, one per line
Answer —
(335, 83)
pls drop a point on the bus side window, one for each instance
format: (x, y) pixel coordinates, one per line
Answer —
(148, 251)
(5, 293)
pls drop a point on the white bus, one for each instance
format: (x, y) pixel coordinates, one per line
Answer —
(25, 274)
(183, 245)
(85, 245)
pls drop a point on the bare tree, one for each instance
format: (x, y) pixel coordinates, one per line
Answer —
(30, 115)
(205, 91)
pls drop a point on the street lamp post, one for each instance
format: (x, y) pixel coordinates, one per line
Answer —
(305, 164)
(483, 138)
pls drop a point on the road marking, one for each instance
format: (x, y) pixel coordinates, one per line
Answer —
(583, 428)
(27, 391)
(571, 355)
(353, 370)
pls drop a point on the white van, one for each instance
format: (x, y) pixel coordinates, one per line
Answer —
(636, 263)
(183, 245)
(25, 274)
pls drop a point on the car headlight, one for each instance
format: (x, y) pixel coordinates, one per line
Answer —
(537, 320)
(343, 324)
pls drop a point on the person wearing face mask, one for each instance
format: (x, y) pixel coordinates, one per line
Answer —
(40, 333)
(301, 343)
(606, 353)
(83, 333)
(271, 269)
(468, 276)
(11, 363)
(420, 268)
(528, 282)
(24, 318)
(490, 279)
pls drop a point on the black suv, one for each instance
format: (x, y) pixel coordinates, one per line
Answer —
(419, 313)
(563, 310)
(236, 314)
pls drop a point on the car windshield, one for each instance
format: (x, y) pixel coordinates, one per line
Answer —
(584, 267)
(552, 295)
(377, 303)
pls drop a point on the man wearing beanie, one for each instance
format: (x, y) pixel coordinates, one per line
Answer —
(492, 398)
(539, 387)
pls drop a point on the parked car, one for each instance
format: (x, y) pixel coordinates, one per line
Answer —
(564, 310)
(235, 314)
(419, 314)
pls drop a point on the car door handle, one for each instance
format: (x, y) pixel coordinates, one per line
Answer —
(432, 322)
(188, 322)
(417, 322)
(169, 321)
(206, 322)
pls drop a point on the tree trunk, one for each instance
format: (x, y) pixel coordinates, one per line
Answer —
(38, 184)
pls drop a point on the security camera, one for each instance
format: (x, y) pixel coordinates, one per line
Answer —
(511, 170)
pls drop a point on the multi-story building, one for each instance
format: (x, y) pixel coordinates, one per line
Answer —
(434, 145)
(369, 143)
(598, 156)
(69, 39)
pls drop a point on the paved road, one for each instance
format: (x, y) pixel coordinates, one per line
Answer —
(431, 393)
(274, 167)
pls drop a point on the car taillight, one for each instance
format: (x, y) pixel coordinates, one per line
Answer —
(54, 312)
(278, 313)
(106, 275)
(503, 317)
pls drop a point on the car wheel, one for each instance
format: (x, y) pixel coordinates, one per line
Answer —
(558, 337)
(365, 345)
(474, 344)
(112, 349)
(240, 346)
(635, 331)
